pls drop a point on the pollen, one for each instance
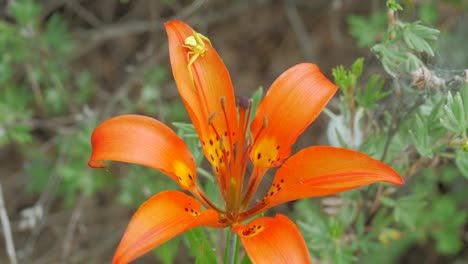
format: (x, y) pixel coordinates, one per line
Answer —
(266, 153)
(185, 176)
(252, 230)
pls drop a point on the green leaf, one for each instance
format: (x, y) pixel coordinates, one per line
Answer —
(246, 260)
(368, 30)
(455, 112)
(356, 68)
(348, 79)
(387, 201)
(393, 5)
(448, 238)
(461, 160)
(408, 209)
(390, 57)
(167, 252)
(26, 12)
(256, 98)
(428, 13)
(412, 63)
(420, 136)
(369, 96)
(416, 36)
(57, 39)
(20, 133)
(199, 245)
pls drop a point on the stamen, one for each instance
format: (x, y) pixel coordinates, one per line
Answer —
(247, 116)
(240, 160)
(252, 186)
(228, 128)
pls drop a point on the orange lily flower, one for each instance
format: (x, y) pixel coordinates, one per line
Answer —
(231, 139)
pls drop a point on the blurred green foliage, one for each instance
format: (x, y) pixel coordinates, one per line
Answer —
(414, 119)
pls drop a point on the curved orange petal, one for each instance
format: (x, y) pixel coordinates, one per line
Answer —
(145, 141)
(162, 217)
(293, 101)
(273, 240)
(320, 171)
(209, 96)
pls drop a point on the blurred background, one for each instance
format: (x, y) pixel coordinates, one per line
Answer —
(67, 65)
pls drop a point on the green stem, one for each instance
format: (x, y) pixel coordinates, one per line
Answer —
(231, 253)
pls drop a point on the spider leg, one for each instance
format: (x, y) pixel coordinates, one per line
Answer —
(192, 57)
(200, 39)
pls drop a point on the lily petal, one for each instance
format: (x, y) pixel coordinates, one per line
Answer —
(162, 217)
(322, 170)
(145, 141)
(273, 240)
(208, 95)
(293, 101)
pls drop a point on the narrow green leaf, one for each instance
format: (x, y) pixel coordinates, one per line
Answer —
(256, 98)
(420, 136)
(200, 246)
(461, 160)
(387, 201)
(167, 252)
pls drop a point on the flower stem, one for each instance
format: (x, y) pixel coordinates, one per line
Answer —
(231, 253)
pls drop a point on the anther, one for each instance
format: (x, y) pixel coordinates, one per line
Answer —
(211, 117)
(223, 101)
(244, 102)
(265, 122)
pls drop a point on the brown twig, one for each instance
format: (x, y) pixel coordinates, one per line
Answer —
(134, 77)
(84, 14)
(10, 245)
(96, 37)
(303, 39)
(71, 228)
(39, 99)
(45, 201)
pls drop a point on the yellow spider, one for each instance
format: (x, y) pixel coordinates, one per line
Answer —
(196, 45)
